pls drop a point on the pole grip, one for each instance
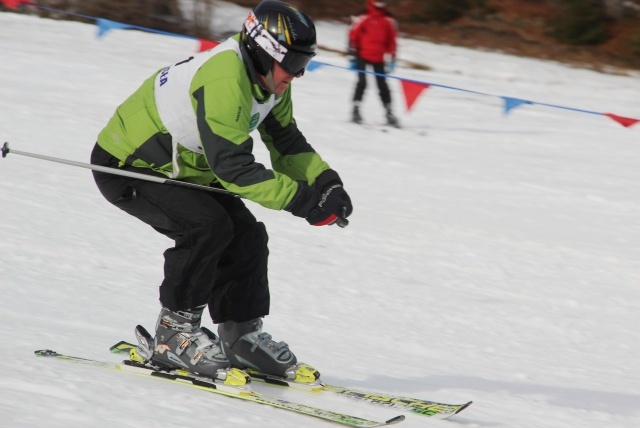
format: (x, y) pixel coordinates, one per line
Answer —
(5, 149)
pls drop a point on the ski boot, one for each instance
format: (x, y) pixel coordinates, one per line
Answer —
(392, 120)
(181, 343)
(251, 349)
(356, 117)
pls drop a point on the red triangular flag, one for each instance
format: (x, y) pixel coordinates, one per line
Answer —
(11, 4)
(411, 91)
(205, 45)
(624, 121)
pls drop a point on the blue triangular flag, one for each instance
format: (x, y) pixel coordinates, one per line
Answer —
(511, 103)
(314, 65)
(105, 25)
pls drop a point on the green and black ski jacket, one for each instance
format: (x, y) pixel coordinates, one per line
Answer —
(192, 121)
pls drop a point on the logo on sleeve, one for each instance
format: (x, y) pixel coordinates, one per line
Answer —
(255, 119)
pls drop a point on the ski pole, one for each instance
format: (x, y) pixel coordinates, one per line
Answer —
(342, 222)
(114, 171)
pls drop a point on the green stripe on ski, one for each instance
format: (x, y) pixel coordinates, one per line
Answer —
(77, 360)
(242, 394)
(415, 405)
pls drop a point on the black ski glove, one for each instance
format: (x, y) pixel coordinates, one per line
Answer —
(304, 200)
(326, 202)
(334, 206)
(328, 179)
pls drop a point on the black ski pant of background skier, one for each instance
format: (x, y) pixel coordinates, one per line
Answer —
(361, 85)
(220, 253)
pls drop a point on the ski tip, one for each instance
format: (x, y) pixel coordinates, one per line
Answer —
(395, 420)
(464, 406)
(45, 353)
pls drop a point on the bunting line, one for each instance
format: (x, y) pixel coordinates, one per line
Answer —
(105, 25)
(510, 103)
(412, 89)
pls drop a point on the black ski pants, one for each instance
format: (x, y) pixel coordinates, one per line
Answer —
(361, 85)
(220, 252)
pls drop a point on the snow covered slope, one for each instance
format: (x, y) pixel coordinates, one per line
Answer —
(488, 258)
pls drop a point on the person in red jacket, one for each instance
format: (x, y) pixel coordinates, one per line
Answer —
(372, 40)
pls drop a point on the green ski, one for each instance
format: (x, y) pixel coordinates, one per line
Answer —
(242, 392)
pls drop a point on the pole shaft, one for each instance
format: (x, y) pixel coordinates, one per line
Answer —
(114, 171)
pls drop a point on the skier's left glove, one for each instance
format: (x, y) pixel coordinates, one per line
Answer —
(324, 203)
(338, 202)
(390, 64)
(334, 206)
(352, 57)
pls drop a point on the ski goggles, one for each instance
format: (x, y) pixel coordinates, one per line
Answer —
(295, 63)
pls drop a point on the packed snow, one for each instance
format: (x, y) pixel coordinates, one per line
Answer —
(489, 258)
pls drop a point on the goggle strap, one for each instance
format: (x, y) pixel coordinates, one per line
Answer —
(263, 38)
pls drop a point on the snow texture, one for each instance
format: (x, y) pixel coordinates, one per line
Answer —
(489, 258)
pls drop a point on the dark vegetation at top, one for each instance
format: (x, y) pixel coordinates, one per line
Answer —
(599, 34)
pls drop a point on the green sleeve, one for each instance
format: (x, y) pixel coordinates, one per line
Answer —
(290, 152)
(135, 122)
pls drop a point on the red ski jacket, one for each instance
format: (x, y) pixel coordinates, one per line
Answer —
(373, 34)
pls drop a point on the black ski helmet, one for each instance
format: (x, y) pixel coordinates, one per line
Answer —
(278, 31)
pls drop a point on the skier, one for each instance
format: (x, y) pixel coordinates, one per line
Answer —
(191, 121)
(372, 36)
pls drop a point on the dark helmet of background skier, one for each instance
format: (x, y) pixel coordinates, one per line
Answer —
(278, 31)
(376, 5)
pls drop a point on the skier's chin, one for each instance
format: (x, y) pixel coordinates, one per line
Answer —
(281, 87)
